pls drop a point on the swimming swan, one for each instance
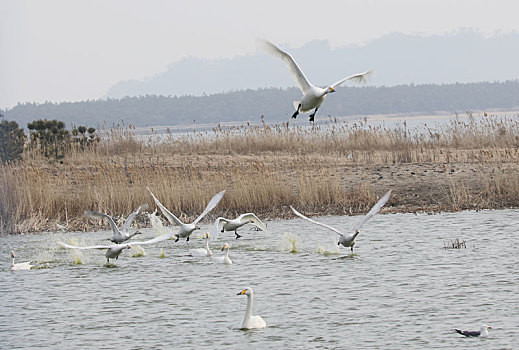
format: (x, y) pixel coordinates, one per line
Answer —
(202, 251)
(123, 234)
(19, 266)
(233, 225)
(114, 250)
(313, 96)
(349, 240)
(224, 259)
(186, 229)
(250, 321)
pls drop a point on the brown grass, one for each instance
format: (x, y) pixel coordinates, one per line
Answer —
(339, 168)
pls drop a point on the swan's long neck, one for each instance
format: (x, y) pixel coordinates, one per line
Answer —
(248, 311)
(209, 252)
(12, 264)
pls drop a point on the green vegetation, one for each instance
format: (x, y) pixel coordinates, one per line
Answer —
(12, 140)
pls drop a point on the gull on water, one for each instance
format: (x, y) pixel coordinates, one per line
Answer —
(186, 229)
(123, 234)
(483, 332)
(202, 251)
(114, 250)
(224, 259)
(250, 321)
(313, 96)
(19, 266)
(348, 240)
(234, 224)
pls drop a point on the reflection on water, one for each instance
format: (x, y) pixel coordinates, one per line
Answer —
(400, 289)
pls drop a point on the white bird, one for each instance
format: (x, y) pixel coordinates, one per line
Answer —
(483, 332)
(345, 239)
(313, 96)
(224, 259)
(186, 229)
(202, 251)
(250, 321)
(233, 225)
(19, 266)
(123, 234)
(114, 250)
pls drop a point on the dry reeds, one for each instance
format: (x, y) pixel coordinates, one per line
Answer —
(454, 244)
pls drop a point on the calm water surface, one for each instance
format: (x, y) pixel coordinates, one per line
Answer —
(400, 289)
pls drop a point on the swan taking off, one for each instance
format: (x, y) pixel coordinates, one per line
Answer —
(224, 259)
(202, 251)
(250, 321)
(186, 229)
(313, 96)
(345, 239)
(123, 234)
(483, 332)
(114, 250)
(19, 266)
(233, 225)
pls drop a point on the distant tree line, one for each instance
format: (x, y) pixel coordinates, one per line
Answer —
(273, 103)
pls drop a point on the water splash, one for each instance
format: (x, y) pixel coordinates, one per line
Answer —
(334, 250)
(162, 255)
(137, 251)
(291, 243)
(156, 223)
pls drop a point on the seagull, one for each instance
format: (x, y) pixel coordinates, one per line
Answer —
(345, 239)
(233, 225)
(202, 251)
(250, 321)
(313, 96)
(19, 266)
(123, 234)
(483, 332)
(114, 250)
(224, 259)
(186, 229)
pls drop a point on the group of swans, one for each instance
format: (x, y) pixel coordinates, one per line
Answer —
(207, 252)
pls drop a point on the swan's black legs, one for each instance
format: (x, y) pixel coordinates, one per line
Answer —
(296, 112)
(237, 235)
(313, 115)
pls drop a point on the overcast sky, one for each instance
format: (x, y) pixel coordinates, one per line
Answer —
(66, 50)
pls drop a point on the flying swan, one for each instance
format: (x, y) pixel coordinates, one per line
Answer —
(202, 251)
(483, 332)
(186, 229)
(19, 266)
(250, 321)
(114, 250)
(349, 240)
(313, 96)
(123, 234)
(224, 259)
(233, 225)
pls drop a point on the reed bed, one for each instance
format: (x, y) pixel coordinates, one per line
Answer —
(337, 168)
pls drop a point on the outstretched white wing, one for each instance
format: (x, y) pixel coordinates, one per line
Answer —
(212, 203)
(89, 247)
(132, 217)
(93, 214)
(296, 72)
(376, 208)
(315, 222)
(255, 220)
(215, 230)
(172, 218)
(153, 240)
(358, 78)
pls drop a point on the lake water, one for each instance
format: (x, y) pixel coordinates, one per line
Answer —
(400, 289)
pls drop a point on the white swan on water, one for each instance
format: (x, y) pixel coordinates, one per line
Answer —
(114, 250)
(250, 321)
(346, 239)
(235, 224)
(224, 259)
(123, 234)
(186, 229)
(313, 96)
(19, 266)
(202, 251)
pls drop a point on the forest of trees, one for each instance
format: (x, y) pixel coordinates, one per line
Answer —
(273, 103)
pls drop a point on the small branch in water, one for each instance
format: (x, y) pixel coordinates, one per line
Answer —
(454, 244)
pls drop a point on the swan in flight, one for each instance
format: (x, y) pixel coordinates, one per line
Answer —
(233, 225)
(19, 266)
(483, 332)
(114, 250)
(202, 251)
(123, 234)
(224, 259)
(313, 96)
(250, 321)
(186, 229)
(346, 239)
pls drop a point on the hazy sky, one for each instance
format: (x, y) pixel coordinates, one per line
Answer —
(66, 50)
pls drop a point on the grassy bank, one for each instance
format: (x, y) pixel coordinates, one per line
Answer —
(335, 169)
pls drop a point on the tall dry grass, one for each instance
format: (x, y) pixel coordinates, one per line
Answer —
(263, 168)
